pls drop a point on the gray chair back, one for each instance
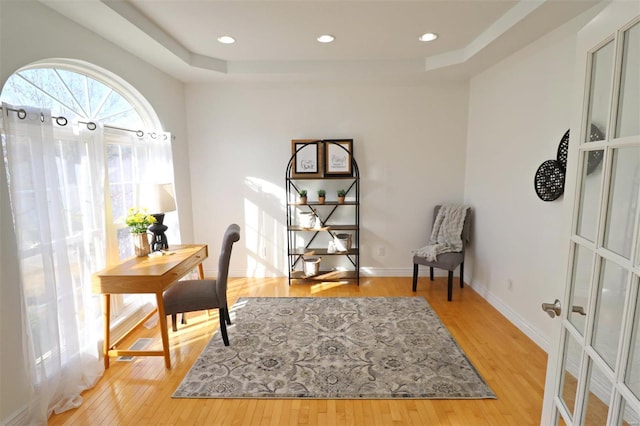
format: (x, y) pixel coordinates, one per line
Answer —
(231, 235)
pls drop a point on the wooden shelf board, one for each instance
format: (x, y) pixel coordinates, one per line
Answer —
(325, 276)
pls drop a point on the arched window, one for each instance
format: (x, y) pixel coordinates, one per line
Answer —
(82, 92)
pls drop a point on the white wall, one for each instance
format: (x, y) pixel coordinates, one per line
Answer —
(409, 142)
(32, 32)
(518, 111)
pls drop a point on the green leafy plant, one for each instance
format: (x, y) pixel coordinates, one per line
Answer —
(342, 193)
(138, 220)
(303, 192)
(322, 193)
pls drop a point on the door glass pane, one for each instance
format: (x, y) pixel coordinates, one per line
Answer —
(629, 417)
(612, 287)
(623, 200)
(580, 283)
(597, 398)
(632, 378)
(600, 89)
(573, 356)
(629, 101)
(590, 194)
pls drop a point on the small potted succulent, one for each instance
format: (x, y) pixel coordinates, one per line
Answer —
(341, 194)
(303, 196)
(321, 195)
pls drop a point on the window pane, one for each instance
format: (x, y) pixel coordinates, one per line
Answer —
(612, 287)
(581, 280)
(573, 357)
(600, 90)
(590, 194)
(628, 123)
(629, 417)
(632, 377)
(623, 201)
(598, 395)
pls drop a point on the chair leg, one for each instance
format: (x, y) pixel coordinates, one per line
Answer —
(415, 276)
(174, 322)
(227, 317)
(184, 318)
(450, 286)
(223, 326)
(431, 272)
(462, 275)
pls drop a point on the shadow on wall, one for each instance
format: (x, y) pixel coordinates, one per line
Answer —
(265, 233)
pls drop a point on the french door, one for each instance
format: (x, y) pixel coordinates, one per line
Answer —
(593, 373)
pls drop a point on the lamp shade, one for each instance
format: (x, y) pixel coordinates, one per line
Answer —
(156, 197)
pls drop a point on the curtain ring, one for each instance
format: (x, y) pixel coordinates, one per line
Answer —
(61, 121)
(153, 135)
(140, 133)
(91, 125)
(41, 117)
(22, 114)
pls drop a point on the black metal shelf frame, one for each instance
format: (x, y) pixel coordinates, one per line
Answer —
(296, 255)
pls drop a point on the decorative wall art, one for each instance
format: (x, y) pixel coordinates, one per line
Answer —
(337, 161)
(550, 176)
(308, 161)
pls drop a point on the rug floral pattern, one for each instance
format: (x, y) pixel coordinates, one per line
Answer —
(374, 347)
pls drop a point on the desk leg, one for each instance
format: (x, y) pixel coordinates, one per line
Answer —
(201, 271)
(163, 330)
(106, 312)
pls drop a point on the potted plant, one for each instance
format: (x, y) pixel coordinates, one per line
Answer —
(321, 195)
(303, 196)
(138, 220)
(341, 194)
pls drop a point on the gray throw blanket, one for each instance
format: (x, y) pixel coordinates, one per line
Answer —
(445, 235)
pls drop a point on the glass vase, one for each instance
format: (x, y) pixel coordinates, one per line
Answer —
(141, 244)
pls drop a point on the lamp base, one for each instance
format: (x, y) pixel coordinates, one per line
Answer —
(159, 241)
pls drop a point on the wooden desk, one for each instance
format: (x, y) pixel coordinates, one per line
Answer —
(145, 275)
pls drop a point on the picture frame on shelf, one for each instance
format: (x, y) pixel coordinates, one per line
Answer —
(337, 157)
(307, 158)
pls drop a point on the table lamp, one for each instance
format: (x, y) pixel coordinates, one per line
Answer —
(157, 197)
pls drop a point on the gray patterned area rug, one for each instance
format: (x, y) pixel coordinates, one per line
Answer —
(336, 348)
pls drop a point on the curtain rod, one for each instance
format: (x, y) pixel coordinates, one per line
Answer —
(62, 121)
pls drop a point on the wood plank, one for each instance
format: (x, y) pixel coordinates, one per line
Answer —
(139, 392)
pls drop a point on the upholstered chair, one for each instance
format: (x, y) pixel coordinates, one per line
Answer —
(447, 261)
(199, 295)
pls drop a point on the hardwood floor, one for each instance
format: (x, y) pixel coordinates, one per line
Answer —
(139, 392)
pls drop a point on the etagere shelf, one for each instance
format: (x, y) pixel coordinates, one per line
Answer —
(332, 219)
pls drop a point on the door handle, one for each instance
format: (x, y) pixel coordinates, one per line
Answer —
(578, 310)
(552, 309)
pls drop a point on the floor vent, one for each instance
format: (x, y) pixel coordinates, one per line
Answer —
(139, 345)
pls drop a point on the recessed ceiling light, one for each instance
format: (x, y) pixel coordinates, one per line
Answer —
(225, 39)
(428, 37)
(326, 38)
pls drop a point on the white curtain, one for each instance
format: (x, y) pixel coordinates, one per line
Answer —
(56, 178)
(136, 159)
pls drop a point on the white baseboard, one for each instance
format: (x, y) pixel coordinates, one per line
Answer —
(530, 331)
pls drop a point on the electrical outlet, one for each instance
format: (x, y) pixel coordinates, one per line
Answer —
(510, 284)
(381, 251)
(263, 251)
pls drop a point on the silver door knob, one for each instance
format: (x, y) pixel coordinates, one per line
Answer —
(552, 309)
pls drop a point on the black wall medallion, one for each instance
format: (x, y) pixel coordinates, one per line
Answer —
(563, 151)
(549, 179)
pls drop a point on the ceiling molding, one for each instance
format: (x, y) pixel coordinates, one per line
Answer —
(149, 41)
